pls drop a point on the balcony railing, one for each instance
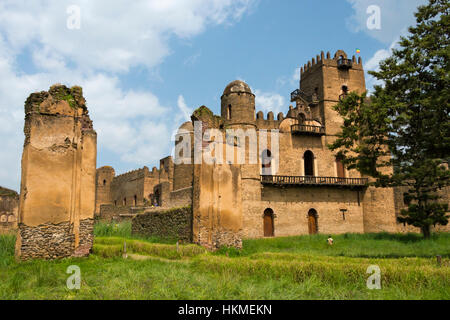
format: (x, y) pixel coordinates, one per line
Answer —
(314, 181)
(308, 129)
(344, 63)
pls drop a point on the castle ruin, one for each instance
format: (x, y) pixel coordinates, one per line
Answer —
(57, 192)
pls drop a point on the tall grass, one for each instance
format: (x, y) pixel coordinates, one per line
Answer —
(113, 229)
(283, 268)
(7, 244)
(376, 245)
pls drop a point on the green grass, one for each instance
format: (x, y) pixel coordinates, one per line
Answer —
(375, 245)
(303, 267)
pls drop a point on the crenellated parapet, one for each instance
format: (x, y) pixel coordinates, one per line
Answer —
(339, 58)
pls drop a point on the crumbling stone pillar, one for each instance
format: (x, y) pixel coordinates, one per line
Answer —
(57, 193)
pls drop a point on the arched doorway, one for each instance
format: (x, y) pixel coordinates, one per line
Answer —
(268, 223)
(308, 159)
(313, 226)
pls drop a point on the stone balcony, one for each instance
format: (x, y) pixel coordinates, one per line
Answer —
(312, 181)
(303, 129)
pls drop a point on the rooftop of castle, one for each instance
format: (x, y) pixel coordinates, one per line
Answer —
(237, 86)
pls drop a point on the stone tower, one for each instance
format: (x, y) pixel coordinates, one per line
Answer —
(238, 104)
(105, 176)
(325, 80)
(57, 192)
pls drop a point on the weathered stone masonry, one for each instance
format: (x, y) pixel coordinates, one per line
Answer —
(173, 224)
(57, 198)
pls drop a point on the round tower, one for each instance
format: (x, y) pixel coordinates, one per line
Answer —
(238, 103)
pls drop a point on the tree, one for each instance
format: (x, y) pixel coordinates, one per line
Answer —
(405, 123)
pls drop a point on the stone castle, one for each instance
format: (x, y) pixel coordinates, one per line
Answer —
(309, 191)
(234, 176)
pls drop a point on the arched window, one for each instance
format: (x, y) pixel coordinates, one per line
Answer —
(340, 168)
(308, 160)
(269, 230)
(229, 112)
(135, 200)
(301, 118)
(266, 161)
(124, 201)
(313, 226)
(104, 182)
(344, 90)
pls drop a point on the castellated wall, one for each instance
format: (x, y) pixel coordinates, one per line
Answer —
(57, 193)
(9, 207)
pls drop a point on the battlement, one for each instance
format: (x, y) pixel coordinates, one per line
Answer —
(322, 59)
(133, 175)
(269, 117)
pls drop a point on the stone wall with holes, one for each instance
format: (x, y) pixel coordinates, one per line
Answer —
(175, 223)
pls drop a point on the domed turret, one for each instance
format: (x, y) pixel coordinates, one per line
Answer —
(238, 103)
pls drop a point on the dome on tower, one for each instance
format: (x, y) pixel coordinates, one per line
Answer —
(237, 86)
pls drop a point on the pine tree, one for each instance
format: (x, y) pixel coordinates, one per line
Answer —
(405, 123)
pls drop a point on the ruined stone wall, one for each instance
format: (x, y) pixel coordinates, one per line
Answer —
(174, 224)
(181, 197)
(57, 197)
(9, 206)
(109, 212)
(134, 188)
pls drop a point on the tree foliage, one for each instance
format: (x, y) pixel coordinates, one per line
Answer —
(405, 123)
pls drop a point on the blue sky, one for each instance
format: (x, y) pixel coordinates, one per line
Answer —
(144, 65)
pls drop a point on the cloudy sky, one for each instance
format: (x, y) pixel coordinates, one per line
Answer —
(144, 65)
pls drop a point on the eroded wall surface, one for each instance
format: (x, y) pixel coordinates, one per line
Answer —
(217, 206)
(57, 196)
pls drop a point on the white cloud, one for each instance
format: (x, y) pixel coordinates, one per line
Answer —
(373, 64)
(269, 101)
(395, 16)
(114, 36)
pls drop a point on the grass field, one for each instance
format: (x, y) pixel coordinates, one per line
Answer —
(302, 267)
